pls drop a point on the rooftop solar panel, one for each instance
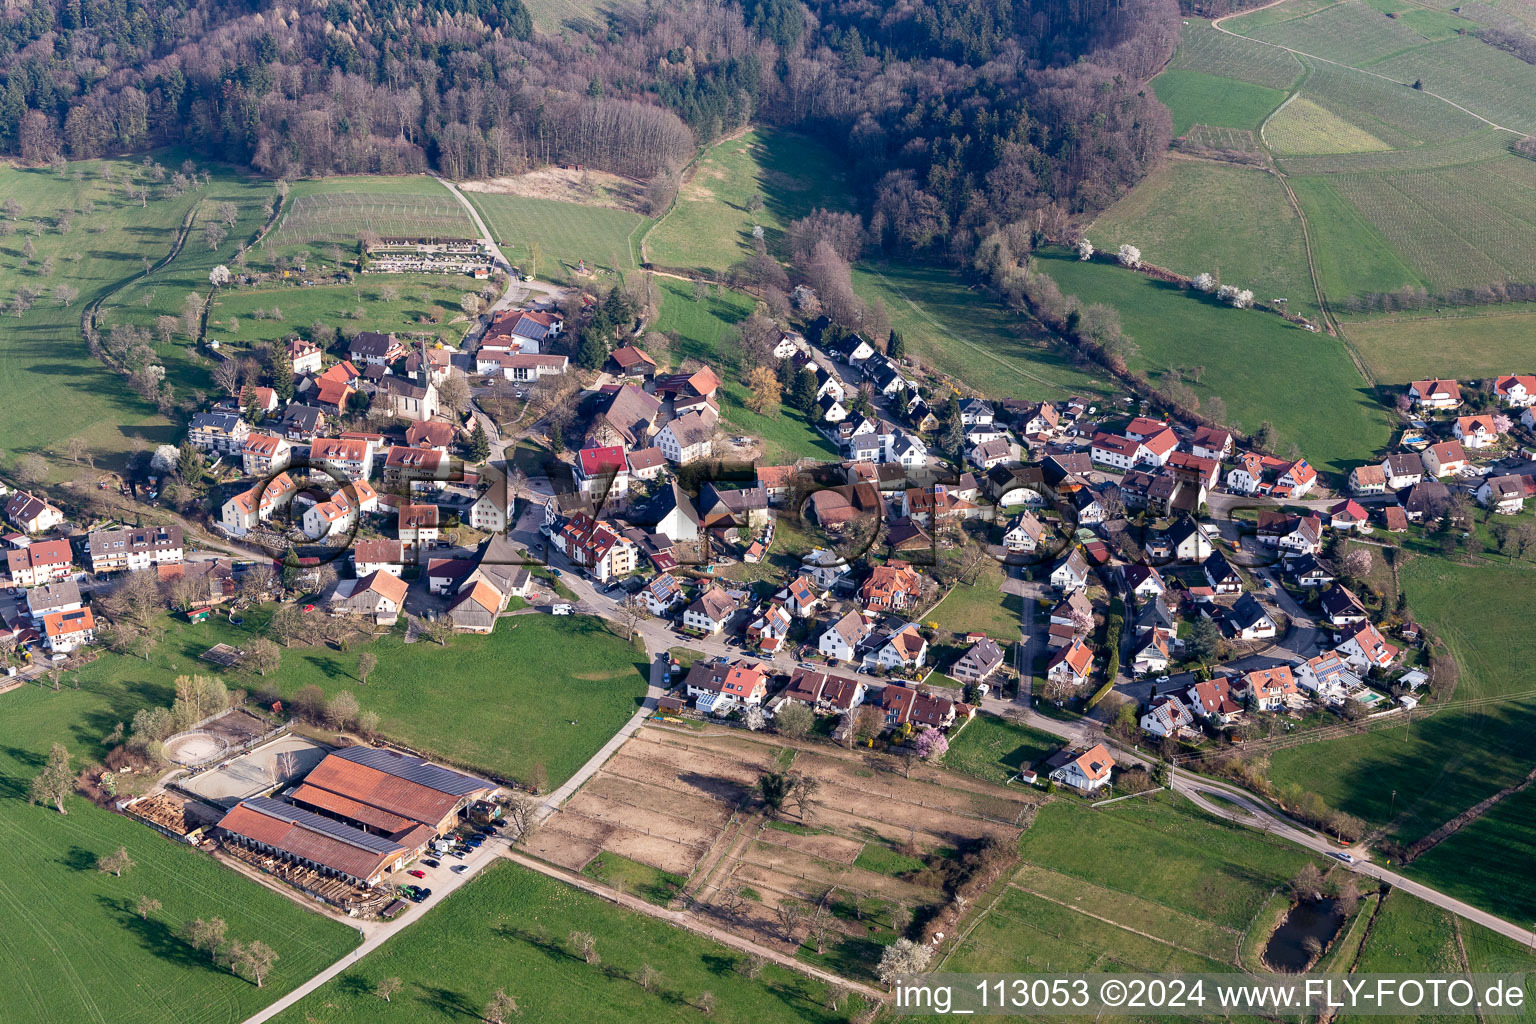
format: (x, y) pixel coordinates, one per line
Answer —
(325, 826)
(414, 769)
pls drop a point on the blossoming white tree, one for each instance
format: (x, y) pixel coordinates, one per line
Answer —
(1085, 249)
(1129, 255)
(219, 275)
(1205, 282)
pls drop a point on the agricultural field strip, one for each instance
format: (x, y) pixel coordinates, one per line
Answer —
(1229, 55)
(1477, 73)
(340, 216)
(1483, 146)
(1110, 921)
(1351, 33)
(1431, 219)
(1341, 64)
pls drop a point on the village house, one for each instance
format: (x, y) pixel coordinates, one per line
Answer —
(53, 597)
(1024, 534)
(491, 511)
(1269, 689)
(1302, 535)
(134, 548)
(351, 458)
(1365, 649)
(1365, 481)
(1342, 608)
(1220, 574)
(824, 693)
(801, 598)
(628, 361)
(243, 512)
(65, 631)
(1086, 772)
(900, 649)
(891, 587)
(301, 423)
(1445, 459)
(526, 330)
(371, 348)
(1247, 619)
(670, 514)
(1267, 475)
(1349, 515)
(727, 508)
(430, 434)
(1517, 391)
(662, 594)
(720, 688)
(371, 555)
(686, 439)
(710, 611)
(603, 472)
(265, 453)
(1072, 664)
(1152, 655)
(1212, 443)
(1435, 394)
(32, 514)
(1476, 431)
(1144, 581)
(447, 575)
(1071, 573)
(1188, 540)
(1328, 676)
(596, 546)
(1505, 495)
(1213, 700)
(769, 628)
(978, 664)
(379, 596)
(1167, 716)
(841, 639)
(1427, 501)
(222, 433)
(416, 526)
(1402, 469)
(1309, 572)
(305, 356)
(39, 563)
(340, 512)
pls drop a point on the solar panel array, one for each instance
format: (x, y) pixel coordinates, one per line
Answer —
(325, 826)
(414, 769)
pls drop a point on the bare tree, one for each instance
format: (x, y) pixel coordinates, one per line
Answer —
(586, 947)
(145, 905)
(55, 781)
(115, 863)
(386, 988)
(207, 936)
(253, 960)
(367, 661)
(500, 1008)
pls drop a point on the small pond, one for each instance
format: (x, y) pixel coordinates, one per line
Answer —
(1287, 949)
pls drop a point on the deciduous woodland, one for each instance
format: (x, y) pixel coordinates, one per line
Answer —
(953, 114)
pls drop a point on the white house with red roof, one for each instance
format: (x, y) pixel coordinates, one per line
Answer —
(801, 597)
(1475, 431)
(1167, 716)
(604, 471)
(1435, 394)
(1213, 699)
(1211, 443)
(1518, 391)
(65, 631)
(1264, 474)
(1447, 458)
(1349, 515)
(596, 546)
(903, 648)
(1071, 664)
(265, 453)
(1270, 688)
(719, 688)
(1366, 648)
(1086, 772)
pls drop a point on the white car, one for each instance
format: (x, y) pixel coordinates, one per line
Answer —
(560, 609)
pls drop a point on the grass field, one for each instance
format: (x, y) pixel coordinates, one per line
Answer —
(43, 352)
(1079, 902)
(1303, 127)
(1487, 144)
(1197, 97)
(426, 304)
(1235, 222)
(558, 235)
(1395, 114)
(1474, 346)
(342, 209)
(509, 929)
(1263, 367)
(1449, 761)
(74, 948)
(552, 16)
(530, 681)
(980, 606)
(1203, 48)
(1352, 256)
(996, 749)
(710, 226)
(1409, 934)
(956, 329)
(703, 330)
(1351, 32)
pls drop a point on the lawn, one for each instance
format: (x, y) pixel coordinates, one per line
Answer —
(509, 929)
(704, 330)
(981, 606)
(545, 690)
(73, 947)
(651, 884)
(550, 237)
(765, 178)
(955, 328)
(1263, 367)
(44, 363)
(1411, 935)
(1303, 127)
(1207, 868)
(406, 304)
(1411, 780)
(1235, 222)
(997, 749)
(1196, 97)
(1480, 344)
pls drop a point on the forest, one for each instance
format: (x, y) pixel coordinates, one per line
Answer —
(955, 115)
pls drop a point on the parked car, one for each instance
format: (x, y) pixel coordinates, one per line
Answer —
(1347, 858)
(430, 863)
(460, 868)
(414, 873)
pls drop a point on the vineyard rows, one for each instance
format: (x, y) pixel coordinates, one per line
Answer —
(1350, 32)
(1214, 52)
(1488, 144)
(1492, 83)
(1395, 114)
(1212, 137)
(1459, 228)
(1302, 126)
